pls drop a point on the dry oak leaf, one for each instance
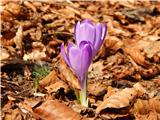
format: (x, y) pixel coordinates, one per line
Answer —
(137, 56)
(150, 116)
(56, 86)
(19, 37)
(35, 55)
(54, 110)
(68, 75)
(113, 43)
(152, 49)
(51, 78)
(145, 106)
(133, 48)
(121, 98)
(4, 55)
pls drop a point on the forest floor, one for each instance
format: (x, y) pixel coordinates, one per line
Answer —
(123, 79)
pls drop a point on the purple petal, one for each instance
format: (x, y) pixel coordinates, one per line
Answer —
(85, 31)
(69, 46)
(86, 58)
(64, 55)
(97, 44)
(104, 31)
(87, 42)
(77, 26)
(82, 43)
(75, 60)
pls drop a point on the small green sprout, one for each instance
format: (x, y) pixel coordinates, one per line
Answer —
(39, 72)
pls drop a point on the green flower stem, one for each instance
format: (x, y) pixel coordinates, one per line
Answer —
(83, 94)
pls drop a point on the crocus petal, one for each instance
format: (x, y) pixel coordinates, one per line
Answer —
(87, 42)
(97, 44)
(64, 55)
(86, 58)
(85, 31)
(104, 31)
(75, 58)
(77, 26)
(70, 45)
(82, 44)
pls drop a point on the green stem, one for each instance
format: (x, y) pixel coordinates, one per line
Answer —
(83, 94)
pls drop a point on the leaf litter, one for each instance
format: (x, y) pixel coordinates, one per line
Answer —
(124, 78)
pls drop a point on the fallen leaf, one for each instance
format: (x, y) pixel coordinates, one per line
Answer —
(56, 86)
(30, 5)
(152, 49)
(18, 38)
(143, 107)
(113, 43)
(137, 56)
(150, 116)
(51, 78)
(35, 55)
(68, 75)
(4, 54)
(54, 110)
(121, 98)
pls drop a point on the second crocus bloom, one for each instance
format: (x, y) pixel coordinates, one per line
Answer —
(94, 34)
(78, 59)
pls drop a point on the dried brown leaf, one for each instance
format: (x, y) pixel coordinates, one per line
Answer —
(38, 34)
(145, 106)
(113, 43)
(152, 49)
(137, 56)
(68, 75)
(150, 116)
(86, 15)
(30, 5)
(121, 98)
(35, 55)
(18, 38)
(54, 110)
(56, 86)
(4, 54)
(51, 78)
(10, 11)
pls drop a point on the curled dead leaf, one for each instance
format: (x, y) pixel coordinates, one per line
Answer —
(68, 75)
(37, 45)
(152, 49)
(137, 56)
(145, 106)
(113, 43)
(30, 5)
(19, 37)
(56, 86)
(4, 54)
(121, 99)
(54, 110)
(35, 55)
(150, 116)
(52, 83)
(51, 78)
(10, 10)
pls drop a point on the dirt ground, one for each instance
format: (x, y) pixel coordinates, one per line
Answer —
(123, 79)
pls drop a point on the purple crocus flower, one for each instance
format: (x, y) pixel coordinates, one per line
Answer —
(95, 34)
(79, 59)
